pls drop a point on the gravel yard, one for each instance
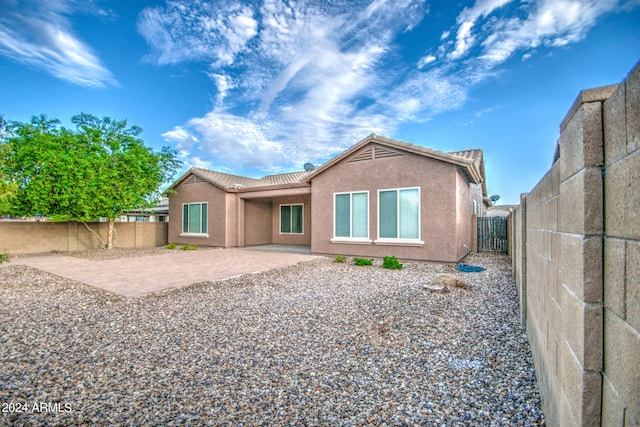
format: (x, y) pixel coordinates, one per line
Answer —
(319, 343)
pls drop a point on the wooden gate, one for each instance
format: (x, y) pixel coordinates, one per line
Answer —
(493, 235)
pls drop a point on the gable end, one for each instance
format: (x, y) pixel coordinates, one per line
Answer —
(193, 179)
(365, 155)
(381, 152)
(375, 152)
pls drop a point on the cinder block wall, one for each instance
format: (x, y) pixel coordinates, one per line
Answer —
(22, 237)
(621, 376)
(575, 254)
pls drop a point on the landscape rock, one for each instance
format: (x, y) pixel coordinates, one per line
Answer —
(317, 343)
(437, 288)
(450, 280)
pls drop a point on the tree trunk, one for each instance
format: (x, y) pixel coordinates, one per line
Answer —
(112, 224)
(95, 233)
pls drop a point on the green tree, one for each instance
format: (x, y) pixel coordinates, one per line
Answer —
(100, 169)
(7, 187)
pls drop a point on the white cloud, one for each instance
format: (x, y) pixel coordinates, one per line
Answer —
(198, 30)
(551, 23)
(237, 140)
(224, 84)
(40, 36)
(301, 80)
(425, 94)
(183, 138)
(467, 19)
(426, 60)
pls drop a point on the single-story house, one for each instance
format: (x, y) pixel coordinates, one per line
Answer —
(380, 197)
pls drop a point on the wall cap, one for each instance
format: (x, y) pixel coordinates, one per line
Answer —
(598, 94)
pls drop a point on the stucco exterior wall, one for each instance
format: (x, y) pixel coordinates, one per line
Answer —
(292, 239)
(464, 210)
(217, 211)
(439, 217)
(258, 222)
(232, 211)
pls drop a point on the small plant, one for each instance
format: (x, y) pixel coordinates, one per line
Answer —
(170, 246)
(4, 257)
(341, 259)
(189, 247)
(391, 262)
(363, 261)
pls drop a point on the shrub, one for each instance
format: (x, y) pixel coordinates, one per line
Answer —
(363, 261)
(391, 262)
(170, 246)
(4, 257)
(341, 258)
(189, 247)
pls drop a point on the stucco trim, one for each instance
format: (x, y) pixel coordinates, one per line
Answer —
(351, 241)
(197, 235)
(398, 242)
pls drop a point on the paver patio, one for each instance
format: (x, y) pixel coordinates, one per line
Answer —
(133, 277)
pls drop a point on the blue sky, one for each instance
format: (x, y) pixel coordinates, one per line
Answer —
(261, 87)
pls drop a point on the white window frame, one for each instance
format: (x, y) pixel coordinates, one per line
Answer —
(290, 219)
(186, 234)
(398, 240)
(351, 240)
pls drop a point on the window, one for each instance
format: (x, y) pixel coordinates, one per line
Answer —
(399, 214)
(194, 218)
(291, 219)
(351, 216)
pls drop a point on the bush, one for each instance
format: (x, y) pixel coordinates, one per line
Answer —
(363, 261)
(189, 247)
(4, 257)
(391, 263)
(170, 246)
(341, 258)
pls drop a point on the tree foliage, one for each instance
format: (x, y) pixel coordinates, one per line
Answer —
(99, 169)
(7, 186)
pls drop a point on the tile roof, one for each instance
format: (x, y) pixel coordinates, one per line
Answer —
(227, 181)
(286, 178)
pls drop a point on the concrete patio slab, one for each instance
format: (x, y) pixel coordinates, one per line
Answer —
(133, 277)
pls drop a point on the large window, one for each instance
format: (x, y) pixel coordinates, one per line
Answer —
(194, 218)
(351, 215)
(291, 219)
(399, 214)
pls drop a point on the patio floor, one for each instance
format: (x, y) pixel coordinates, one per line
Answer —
(133, 277)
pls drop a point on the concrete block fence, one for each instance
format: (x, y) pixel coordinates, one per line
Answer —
(27, 237)
(576, 262)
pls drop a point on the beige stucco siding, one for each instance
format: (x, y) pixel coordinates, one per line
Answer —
(464, 209)
(292, 239)
(258, 222)
(216, 213)
(439, 216)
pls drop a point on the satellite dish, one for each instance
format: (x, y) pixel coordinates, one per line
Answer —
(308, 167)
(495, 198)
